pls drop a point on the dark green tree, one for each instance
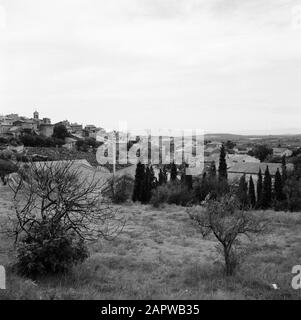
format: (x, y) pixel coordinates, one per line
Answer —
(173, 172)
(252, 197)
(212, 170)
(278, 192)
(283, 167)
(153, 179)
(149, 183)
(146, 186)
(222, 169)
(243, 191)
(261, 152)
(161, 177)
(60, 132)
(138, 184)
(267, 189)
(164, 171)
(259, 190)
(188, 181)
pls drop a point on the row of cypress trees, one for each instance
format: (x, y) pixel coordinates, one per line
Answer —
(145, 180)
(266, 191)
(262, 198)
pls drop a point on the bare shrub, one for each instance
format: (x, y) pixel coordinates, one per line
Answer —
(224, 218)
(119, 189)
(171, 193)
(57, 210)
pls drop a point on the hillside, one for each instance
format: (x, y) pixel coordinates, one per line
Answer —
(161, 255)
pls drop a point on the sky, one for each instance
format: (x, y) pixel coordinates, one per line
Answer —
(215, 65)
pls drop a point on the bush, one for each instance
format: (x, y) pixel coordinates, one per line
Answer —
(50, 230)
(45, 251)
(119, 189)
(171, 193)
(6, 168)
(225, 219)
(39, 141)
(280, 205)
(159, 196)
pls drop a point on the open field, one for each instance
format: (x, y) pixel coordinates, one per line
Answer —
(161, 255)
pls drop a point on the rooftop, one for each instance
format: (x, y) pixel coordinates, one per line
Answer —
(253, 168)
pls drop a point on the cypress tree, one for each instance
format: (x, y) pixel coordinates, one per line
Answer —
(161, 177)
(173, 172)
(212, 170)
(204, 187)
(222, 169)
(164, 176)
(188, 181)
(243, 191)
(278, 186)
(146, 186)
(259, 190)
(252, 197)
(267, 189)
(153, 179)
(138, 184)
(284, 172)
(183, 178)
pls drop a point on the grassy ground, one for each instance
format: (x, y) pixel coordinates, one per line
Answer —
(161, 255)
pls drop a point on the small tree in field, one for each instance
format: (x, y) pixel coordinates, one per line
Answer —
(227, 222)
(58, 210)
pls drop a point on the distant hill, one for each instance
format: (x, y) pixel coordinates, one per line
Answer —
(240, 137)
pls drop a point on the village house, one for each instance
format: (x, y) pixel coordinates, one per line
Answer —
(280, 152)
(90, 131)
(46, 121)
(242, 149)
(70, 143)
(5, 127)
(66, 124)
(77, 129)
(46, 130)
(26, 124)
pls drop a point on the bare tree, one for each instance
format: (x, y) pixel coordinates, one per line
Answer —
(61, 195)
(225, 219)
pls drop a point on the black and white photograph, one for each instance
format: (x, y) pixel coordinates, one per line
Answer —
(150, 153)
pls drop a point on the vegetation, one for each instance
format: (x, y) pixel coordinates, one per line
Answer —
(87, 143)
(261, 152)
(173, 172)
(227, 221)
(6, 167)
(60, 132)
(57, 211)
(252, 197)
(222, 169)
(162, 255)
(267, 190)
(119, 189)
(242, 192)
(172, 193)
(30, 140)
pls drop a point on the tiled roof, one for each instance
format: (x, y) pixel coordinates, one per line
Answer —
(253, 168)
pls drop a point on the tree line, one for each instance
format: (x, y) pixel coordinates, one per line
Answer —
(281, 193)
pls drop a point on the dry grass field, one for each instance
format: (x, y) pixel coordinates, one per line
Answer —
(161, 255)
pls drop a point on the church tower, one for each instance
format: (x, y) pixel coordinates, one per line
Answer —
(36, 115)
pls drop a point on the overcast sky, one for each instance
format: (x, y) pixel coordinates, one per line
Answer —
(218, 65)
